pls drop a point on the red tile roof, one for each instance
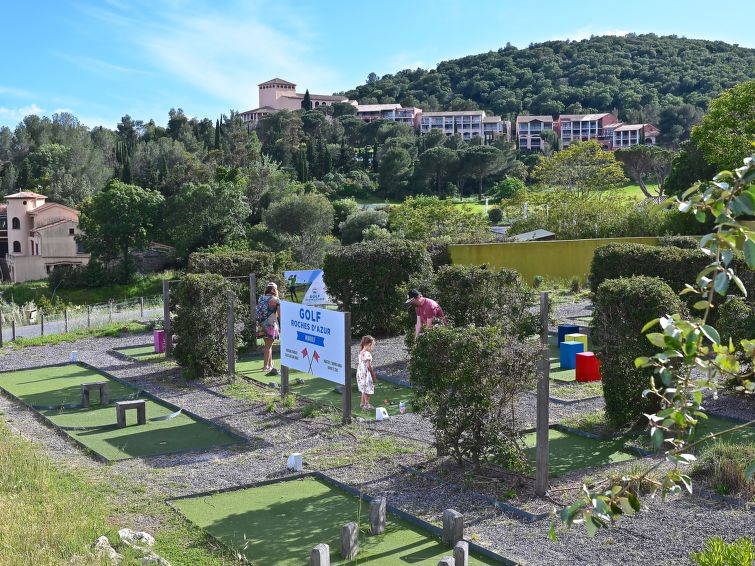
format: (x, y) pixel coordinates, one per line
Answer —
(25, 194)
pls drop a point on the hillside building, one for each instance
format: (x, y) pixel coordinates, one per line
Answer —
(277, 94)
(38, 237)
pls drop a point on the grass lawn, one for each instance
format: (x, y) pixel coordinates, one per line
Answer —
(570, 452)
(114, 329)
(60, 385)
(635, 192)
(716, 424)
(323, 391)
(280, 523)
(143, 286)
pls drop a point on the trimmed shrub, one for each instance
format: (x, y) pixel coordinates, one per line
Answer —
(495, 215)
(94, 274)
(370, 280)
(267, 266)
(684, 242)
(466, 380)
(474, 294)
(622, 307)
(438, 250)
(200, 305)
(736, 320)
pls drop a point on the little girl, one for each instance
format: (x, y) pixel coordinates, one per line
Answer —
(366, 380)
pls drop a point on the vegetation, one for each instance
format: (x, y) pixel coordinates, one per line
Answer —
(723, 465)
(622, 307)
(582, 168)
(717, 552)
(115, 329)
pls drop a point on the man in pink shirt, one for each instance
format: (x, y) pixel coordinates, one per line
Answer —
(426, 310)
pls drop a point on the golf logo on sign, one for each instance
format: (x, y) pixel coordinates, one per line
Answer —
(312, 341)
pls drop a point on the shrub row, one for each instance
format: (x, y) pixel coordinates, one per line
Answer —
(267, 266)
(622, 307)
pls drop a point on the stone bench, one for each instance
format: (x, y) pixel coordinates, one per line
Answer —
(86, 389)
(122, 406)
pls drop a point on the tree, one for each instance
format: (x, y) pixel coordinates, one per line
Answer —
(687, 168)
(581, 168)
(676, 123)
(208, 214)
(481, 161)
(425, 218)
(302, 222)
(436, 165)
(726, 133)
(306, 103)
(117, 220)
(352, 229)
(643, 162)
(394, 170)
(551, 142)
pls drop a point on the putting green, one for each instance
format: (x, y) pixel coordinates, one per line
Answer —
(280, 523)
(144, 353)
(568, 452)
(59, 385)
(323, 391)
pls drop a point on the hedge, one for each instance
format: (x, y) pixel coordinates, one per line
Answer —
(370, 279)
(466, 381)
(622, 307)
(267, 266)
(736, 320)
(684, 242)
(200, 304)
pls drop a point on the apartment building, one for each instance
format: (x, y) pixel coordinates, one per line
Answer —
(277, 94)
(467, 123)
(39, 237)
(528, 129)
(627, 135)
(586, 127)
(392, 112)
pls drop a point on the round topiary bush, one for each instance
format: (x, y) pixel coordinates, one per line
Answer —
(495, 215)
(622, 308)
(370, 279)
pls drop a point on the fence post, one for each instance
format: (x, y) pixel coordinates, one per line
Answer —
(347, 368)
(42, 324)
(1, 330)
(65, 321)
(231, 335)
(141, 307)
(284, 380)
(89, 317)
(166, 319)
(252, 304)
(543, 400)
(13, 330)
(110, 311)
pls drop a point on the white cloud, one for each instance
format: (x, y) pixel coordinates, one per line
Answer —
(17, 92)
(15, 114)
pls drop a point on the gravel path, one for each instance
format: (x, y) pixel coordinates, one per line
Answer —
(660, 536)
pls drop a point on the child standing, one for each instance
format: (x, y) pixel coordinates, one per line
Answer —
(366, 379)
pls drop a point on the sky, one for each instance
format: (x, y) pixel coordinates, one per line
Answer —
(102, 60)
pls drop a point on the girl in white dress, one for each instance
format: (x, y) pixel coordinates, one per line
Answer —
(366, 379)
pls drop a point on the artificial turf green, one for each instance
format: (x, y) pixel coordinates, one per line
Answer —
(144, 353)
(60, 385)
(280, 523)
(323, 391)
(568, 452)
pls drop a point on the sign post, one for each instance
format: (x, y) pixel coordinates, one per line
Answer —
(317, 341)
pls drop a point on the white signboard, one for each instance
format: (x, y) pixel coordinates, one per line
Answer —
(313, 341)
(316, 293)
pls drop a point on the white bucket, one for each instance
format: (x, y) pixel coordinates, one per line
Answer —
(381, 414)
(295, 462)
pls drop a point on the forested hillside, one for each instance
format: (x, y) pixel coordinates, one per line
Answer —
(644, 78)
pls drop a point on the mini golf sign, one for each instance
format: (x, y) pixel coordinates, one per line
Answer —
(313, 341)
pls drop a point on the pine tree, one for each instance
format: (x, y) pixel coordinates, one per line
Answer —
(312, 159)
(326, 160)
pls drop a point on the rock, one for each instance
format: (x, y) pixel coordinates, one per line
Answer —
(153, 558)
(103, 549)
(273, 385)
(299, 381)
(136, 539)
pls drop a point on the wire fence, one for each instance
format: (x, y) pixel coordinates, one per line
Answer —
(21, 324)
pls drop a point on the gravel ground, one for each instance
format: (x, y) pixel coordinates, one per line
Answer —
(660, 536)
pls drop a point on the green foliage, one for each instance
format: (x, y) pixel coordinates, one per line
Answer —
(425, 218)
(484, 160)
(353, 227)
(495, 215)
(342, 209)
(683, 242)
(476, 295)
(267, 266)
(200, 304)
(736, 320)
(508, 188)
(118, 220)
(395, 167)
(466, 379)
(687, 168)
(722, 465)
(370, 279)
(647, 164)
(301, 222)
(727, 131)
(622, 307)
(717, 552)
(582, 168)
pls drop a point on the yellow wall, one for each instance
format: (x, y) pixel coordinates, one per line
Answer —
(556, 259)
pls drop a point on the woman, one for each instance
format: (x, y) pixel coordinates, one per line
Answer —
(269, 328)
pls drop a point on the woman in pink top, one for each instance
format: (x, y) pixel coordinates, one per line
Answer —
(427, 310)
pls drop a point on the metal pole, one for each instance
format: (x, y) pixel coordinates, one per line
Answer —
(89, 317)
(65, 320)
(252, 304)
(166, 319)
(13, 330)
(231, 336)
(284, 381)
(543, 400)
(141, 307)
(42, 324)
(1, 330)
(347, 368)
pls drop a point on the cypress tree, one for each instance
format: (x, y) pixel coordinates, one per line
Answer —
(217, 134)
(306, 104)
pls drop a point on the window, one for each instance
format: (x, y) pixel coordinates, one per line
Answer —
(81, 248)
(70, 232)
(16, 224)
(16, 247)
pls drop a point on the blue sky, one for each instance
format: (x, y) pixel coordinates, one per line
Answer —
(101, 60)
